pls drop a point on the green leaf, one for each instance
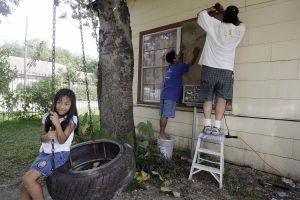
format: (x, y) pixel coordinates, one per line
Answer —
(156, 174)
(84, 128)
(142, 176)
(146, 130)
(144, 144)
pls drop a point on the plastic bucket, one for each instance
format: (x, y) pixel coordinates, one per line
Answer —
(166, 147)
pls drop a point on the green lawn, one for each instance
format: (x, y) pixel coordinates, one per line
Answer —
(20, 142)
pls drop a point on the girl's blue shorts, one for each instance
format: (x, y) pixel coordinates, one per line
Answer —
(43, 163)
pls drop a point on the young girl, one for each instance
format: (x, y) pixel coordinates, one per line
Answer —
(58, 126)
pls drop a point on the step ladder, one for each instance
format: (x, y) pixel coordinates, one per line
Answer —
(201, 164)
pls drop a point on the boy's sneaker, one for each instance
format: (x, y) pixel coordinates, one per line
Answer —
(207, 130)
(216, 131)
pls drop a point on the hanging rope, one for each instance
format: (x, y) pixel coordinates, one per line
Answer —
(94, 24)
(85, 70)
(55, 4)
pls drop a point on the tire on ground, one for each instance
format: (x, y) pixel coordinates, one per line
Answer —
(76, 180)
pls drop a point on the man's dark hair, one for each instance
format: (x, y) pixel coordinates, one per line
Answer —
(231, 15)
(170, 57)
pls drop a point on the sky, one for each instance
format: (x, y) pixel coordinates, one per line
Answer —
(39, 13)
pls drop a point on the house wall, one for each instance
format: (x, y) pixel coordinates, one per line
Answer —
(266, 104)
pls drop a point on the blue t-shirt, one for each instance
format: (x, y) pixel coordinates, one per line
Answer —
(173, 81)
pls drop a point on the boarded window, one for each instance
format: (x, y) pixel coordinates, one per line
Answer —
(154, 44)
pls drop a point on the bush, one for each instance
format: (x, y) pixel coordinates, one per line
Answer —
(37, 96)
(6, 74)
(80, 91)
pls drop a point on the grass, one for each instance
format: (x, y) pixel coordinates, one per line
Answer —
(19, 146)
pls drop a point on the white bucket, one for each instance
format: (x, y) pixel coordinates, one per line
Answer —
(166, 147)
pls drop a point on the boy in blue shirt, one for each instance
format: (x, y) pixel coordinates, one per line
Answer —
(172, 87)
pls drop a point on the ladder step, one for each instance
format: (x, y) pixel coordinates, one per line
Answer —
(205, 160)
(206, 168)
(201, 150)
(210, 137)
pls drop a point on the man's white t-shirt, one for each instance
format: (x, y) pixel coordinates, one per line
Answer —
(221, 41)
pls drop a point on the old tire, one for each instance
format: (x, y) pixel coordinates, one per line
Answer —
(74, 181)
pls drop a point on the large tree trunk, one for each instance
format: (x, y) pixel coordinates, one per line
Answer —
(115, 72)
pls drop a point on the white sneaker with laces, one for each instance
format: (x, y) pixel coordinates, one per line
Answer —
(207, 130)
(216, 131)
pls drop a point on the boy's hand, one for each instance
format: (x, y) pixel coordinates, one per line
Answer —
(196, 51)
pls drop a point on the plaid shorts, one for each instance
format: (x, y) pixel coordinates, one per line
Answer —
(43, 163)
(216, 82)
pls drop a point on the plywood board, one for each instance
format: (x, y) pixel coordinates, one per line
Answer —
(192, 36)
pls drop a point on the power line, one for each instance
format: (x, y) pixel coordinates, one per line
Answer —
(229, 136)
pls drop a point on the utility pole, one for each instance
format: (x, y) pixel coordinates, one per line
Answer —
(25, 53)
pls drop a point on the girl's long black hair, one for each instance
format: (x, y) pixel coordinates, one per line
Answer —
(69, 115)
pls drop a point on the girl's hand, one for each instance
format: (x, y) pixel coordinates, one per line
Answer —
(54, 118)
(51, 135)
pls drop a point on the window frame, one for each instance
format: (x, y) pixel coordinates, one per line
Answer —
(177, 25)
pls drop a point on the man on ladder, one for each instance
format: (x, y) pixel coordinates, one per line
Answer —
(217, 60)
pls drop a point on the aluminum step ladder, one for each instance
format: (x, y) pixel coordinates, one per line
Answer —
(201, 164)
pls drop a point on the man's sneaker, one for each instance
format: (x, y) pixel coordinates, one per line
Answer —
(216, 131)
(207, 130)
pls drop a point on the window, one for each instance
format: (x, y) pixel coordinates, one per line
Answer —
(154, 44)
(154, 48)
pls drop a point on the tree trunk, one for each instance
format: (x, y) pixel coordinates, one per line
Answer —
(115, 71)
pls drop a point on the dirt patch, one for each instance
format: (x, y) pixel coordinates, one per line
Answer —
(239, 183)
